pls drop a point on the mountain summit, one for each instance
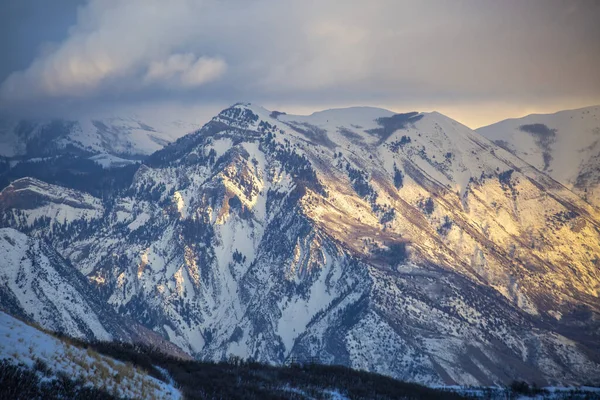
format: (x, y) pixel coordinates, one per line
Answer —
(405, 244)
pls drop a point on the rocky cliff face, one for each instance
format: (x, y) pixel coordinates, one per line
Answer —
(405, 244)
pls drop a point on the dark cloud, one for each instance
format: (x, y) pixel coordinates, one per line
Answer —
(382, 52)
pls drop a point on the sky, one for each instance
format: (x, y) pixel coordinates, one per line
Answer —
(477, 61)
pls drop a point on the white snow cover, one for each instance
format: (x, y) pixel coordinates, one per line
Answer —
(22, 343)
(110, 161)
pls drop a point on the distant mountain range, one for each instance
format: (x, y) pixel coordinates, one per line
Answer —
(405, 244)
(109, 141)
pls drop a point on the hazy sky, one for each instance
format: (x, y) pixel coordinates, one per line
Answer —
(477, 61)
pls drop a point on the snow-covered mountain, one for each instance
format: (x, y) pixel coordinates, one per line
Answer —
(405, 244)
(565, 145)
(109, 141)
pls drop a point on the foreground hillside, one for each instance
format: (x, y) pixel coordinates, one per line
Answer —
(35, 364)
(402, 244)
